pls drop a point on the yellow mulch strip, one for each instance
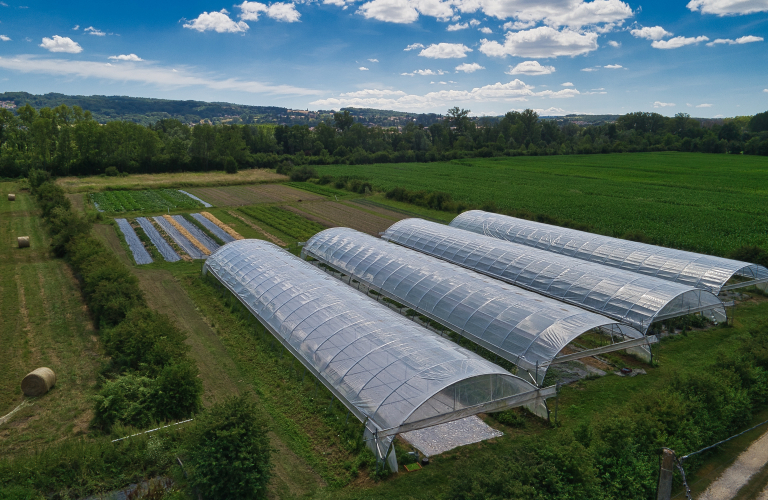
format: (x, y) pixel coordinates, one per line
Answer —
(223, 226)
(187, 235)
(274, 239)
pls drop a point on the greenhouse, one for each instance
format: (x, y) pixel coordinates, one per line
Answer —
(521, 326)
(689, 268)
(392, 374)
(631, 298)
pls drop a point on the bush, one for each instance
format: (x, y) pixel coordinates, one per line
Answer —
(111, 172)
(303, 174)
(751, 254)
(230, 165)
(229, 452)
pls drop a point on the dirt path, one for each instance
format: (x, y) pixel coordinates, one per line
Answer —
(738, 475)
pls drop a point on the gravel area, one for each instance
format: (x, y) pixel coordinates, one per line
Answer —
(441, 438)
(738, 475)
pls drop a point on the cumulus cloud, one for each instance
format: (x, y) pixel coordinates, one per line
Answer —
(728, 7)
(445, 51)
(363, 68)
(614, 44)
(373, 60)
(474, 22)
(530, 68)
(126, 57)
(765, 90)
(515, 90)
(651, 33)
(677, 42)
(518, 25)
(93, 31)
(5, 38)
(77, 27)
(424, 72)
(613, 66)
(61, 44)
(145, 73)
(705, 105)
(659, 104)
(280, 11)
(406, 11)
(588, 70)
(216, 21)
(486, 30)
(469, 67)
(738, 41)
(457, 27)
(566, 84)
(541, 42)
(413, 46)
(572, 13)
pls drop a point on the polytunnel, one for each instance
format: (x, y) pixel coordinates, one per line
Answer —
(392, 374)
(706, 272)
(521, 326)
(631, 298)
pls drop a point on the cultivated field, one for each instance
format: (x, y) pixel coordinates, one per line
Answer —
(707, 203)
(371, 220)
(250, 195)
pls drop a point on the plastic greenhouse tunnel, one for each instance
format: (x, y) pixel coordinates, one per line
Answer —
(521, 326)
(706, 272)
(390, 373)
(635, 299)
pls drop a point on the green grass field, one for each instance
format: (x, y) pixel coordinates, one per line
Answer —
(706, 203)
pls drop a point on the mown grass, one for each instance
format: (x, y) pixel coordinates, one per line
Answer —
(707, 203)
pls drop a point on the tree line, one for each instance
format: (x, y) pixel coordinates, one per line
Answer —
(68, 141)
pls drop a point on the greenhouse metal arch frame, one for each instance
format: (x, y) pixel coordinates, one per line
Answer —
(635, 299)
(393, 375)
(521, 326)
(690, 268)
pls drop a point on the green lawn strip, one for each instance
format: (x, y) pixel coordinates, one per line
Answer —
(318, 435)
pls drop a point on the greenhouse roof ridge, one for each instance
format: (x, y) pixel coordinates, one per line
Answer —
(521, 326)
(635, 299)
(690, 268)
(392, 374)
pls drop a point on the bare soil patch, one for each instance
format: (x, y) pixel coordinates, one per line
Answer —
(235, 196)
(336, 214)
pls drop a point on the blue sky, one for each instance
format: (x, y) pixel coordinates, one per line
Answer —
(704, 57)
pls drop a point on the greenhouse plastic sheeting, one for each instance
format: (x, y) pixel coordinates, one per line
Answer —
(166, 250)
(701, 271)
(197, 233)
(180, 239)
(628, 297)
(205, 203)
(213, 228)
(387, 370)
(521, 326)
(140, 254)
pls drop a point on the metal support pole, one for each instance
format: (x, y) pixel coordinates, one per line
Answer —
(557, 401)
(664, 490)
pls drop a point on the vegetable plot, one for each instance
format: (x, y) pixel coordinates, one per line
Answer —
(284, 221)
(195, 234)
(156, 238)
(170, 227)
(220, 232)
(140, 254)
(148, 200)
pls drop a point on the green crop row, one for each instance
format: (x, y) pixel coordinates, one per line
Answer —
(284, 221)
(148, 200)
(317, 189)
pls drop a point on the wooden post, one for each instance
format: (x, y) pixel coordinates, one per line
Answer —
(664, 491)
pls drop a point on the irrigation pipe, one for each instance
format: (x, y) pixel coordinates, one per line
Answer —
(153, 430)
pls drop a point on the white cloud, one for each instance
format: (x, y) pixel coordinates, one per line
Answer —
(593, 91)
(486, 30)
(280, 11)
(560, 94)
(614, 44)
(5, 38)
(541, 42)
(566, 84)
(654, 33)
(469, 68)
(704, 105)
(373, 60)
(425, 72)
(77, 27)
(765, 90)
(413, 46)
(738, 41)
(474, 22)
(728, 7)
(144, 73)
(445, 51)
(457, 27)
(588, 70)
(406, 11)
(363, 68)
(126, 57)
(530, 68)
(93, 31)
(571, 13)
(677, 42)
(659, 104)
(613, 66)
(216, 21)
(373, 93)
(518, 25)
(61, 44)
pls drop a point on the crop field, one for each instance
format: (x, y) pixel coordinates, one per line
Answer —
(285, 221)
(319, 189)
(706, 203)
(147, 201)
(334, 214)
(233, 196)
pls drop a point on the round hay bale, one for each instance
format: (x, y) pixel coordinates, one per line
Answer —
(38, 382)
(23, 241)
(11, 197)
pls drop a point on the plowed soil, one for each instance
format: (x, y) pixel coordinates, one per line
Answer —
(235, 196)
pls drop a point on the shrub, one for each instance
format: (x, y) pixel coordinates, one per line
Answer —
(303, 174)
(112, 172)
(230, 165)
(751, 254)
(229, 452)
